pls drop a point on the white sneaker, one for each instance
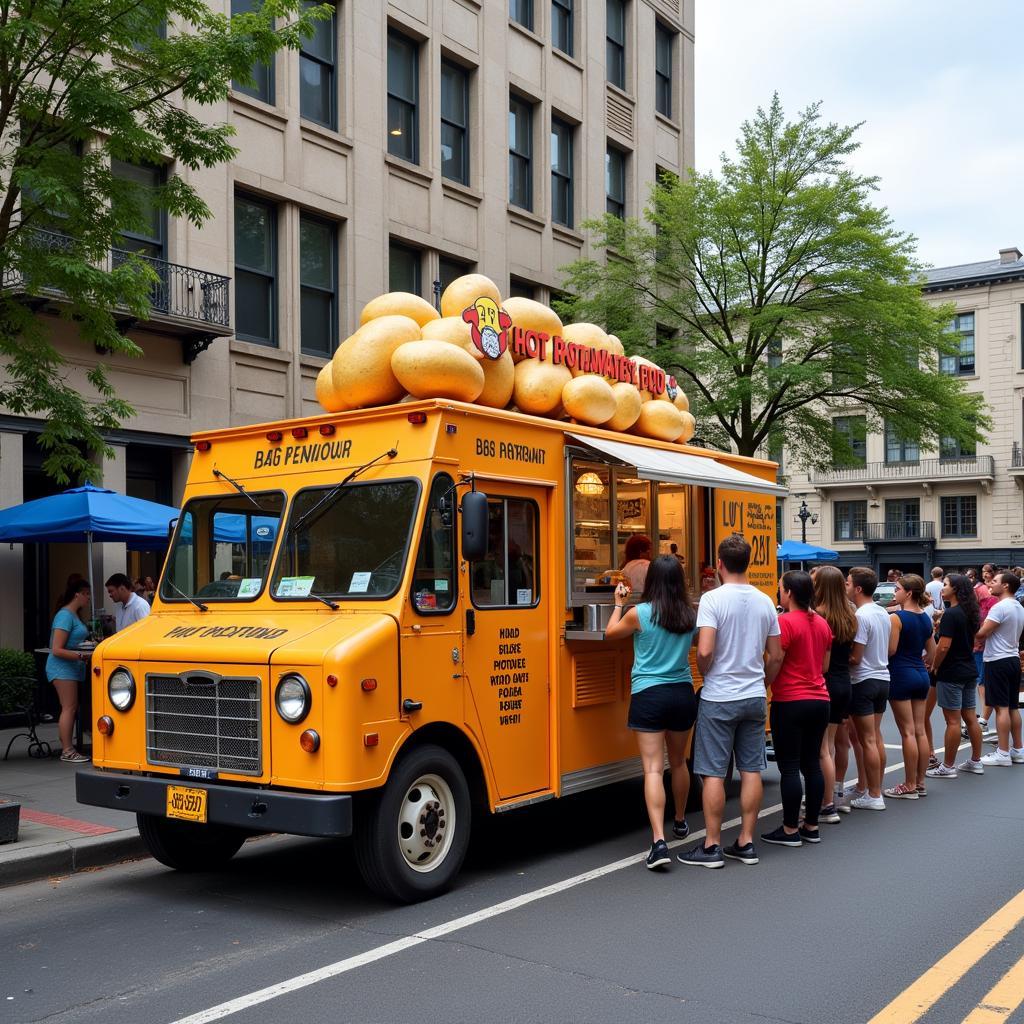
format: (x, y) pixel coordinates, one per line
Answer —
(999, 758)
(868, 803)
(971, 767)
(941, 772)
(1017, 755)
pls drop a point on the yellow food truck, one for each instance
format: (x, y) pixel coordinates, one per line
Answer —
(381, 622)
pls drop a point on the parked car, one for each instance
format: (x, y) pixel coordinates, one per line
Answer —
(885, 594)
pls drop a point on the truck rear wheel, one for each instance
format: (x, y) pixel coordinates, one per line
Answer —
(413, 835)
(188, 846)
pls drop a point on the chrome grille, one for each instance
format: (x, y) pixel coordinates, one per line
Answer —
(204, 720)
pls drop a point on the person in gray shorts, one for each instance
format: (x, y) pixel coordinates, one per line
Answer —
(739, 651)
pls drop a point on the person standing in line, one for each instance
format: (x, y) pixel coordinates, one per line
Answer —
(934, 588)
(985, 603)
(911, 635)
(65, 666)
(133, 607)
(662, 708)
(869, 676)
(738, 652)
(800, 710)
(956, 680)
(1001, 633)
(832, 604)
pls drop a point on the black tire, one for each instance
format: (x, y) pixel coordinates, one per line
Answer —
(423, 783)
(188, 846)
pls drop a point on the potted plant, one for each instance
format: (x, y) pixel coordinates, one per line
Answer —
(17, 685)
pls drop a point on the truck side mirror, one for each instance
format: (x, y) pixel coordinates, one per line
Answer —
(474, 526)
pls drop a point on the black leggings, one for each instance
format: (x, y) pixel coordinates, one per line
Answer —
(797, 729)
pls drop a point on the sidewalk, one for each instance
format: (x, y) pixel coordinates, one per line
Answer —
(57, 836)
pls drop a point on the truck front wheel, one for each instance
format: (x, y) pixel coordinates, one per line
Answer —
(413, 835)
(186, 846)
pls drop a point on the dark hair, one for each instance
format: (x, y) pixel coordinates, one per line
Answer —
(637, 545)
(937, 572)
(914, 586)
(800, 587)
(865, 578)
(72, 590)
(665, 591)
(832, 604)
(734, 552)
(119, 580)
(1009, 579)
(963, 591)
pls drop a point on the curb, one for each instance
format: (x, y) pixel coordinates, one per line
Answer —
(65, 858)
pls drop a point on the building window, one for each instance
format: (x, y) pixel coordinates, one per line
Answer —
(962, 362)
(960, 516)
(664, 41)
(262, 87)
(615, 181)
(903, 518)
(403, 97)
(899, 450)
(454, 122)
(849, 444)
(615, 50)
(520, 289)
(255, 270)
(774, 352)
(317, 60)
(561, 25)
(951, 448)
(849, 519)
(448, 269)
(561, 173)
(521, 11)
(520, 153)
(318, 275)
(148, 237)
(404, 268)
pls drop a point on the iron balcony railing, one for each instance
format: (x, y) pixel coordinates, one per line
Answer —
(179, 291)
(1017, 456)
(973, 466)
(909, 530)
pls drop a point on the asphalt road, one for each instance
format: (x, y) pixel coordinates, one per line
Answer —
(820, 934)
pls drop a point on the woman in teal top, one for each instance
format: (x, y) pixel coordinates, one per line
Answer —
(662, 708)
(66, 666)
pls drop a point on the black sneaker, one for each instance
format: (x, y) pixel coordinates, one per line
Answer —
(780, 837)
(702, 856)
(808, 836)
(659, 855)
(680, 829)
(744, 854)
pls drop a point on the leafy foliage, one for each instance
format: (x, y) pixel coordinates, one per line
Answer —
(780, 296)
(17, 679)
(83, 82)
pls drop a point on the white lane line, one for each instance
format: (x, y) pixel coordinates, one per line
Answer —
(301, 981)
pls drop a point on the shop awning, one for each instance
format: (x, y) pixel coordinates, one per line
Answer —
(678, 467)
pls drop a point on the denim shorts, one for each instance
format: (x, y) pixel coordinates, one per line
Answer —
(727, 726)
(952, 696)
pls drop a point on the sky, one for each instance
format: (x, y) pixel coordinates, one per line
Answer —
(939, 86)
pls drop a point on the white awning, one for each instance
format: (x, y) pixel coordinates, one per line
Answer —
(678, 467)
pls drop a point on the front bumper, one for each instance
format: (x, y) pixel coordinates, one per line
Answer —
(259, 810)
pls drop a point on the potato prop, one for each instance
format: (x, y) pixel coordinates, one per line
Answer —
(645, 396)
(585, 334)
(538, 386)
(627, 406)
(399, 304)
(660, 420)
(499, 380)
(464, 291)
(362, 374)
(617, 348)
(532, 316)
(589, 399)
(435, 369)
(326, 395)
(452, 329)
(689, 426)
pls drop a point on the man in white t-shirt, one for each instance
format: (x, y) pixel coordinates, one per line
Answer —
(869, 676)
(933, 588)
(133, 607)
(739, 651)
(1001, 632)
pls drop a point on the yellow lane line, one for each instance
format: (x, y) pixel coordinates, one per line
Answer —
(1005, 996)
(912, 1004)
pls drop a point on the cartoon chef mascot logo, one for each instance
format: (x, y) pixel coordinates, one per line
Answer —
(671, 388)
(489, 324)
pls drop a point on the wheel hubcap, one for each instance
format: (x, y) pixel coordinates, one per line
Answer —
(426, 820)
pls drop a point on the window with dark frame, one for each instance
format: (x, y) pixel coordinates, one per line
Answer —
(318, 280)
(520, 289)
(520, 152)
(615, 47)
(561, 172)
(403, 97)
(521, 11)
(449, 268)
(405, 268)
(951, 449)
(562, 25)
(262, 74)
(508, 575)
(850, 442)
(897, 449)
(150, 237)
(615, 181)
(454, 122)
(664, 43)
(849, 520)
(959, 515)
(255, 270)
(961, 363)
(318, 60)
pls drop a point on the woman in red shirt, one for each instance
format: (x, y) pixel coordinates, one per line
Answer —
(800, 706)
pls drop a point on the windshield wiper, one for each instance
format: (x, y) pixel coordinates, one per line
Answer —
(241, 490)
(191, 600)
(333, 605)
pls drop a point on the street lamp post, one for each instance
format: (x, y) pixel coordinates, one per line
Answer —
(803, 514)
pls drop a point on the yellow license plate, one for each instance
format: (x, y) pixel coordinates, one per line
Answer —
(186, 803)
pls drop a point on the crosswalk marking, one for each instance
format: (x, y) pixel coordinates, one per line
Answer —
(1003, 998)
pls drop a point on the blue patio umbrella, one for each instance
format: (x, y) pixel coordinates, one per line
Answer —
(795, 551)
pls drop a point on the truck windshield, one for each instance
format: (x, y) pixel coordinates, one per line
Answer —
(353, 547)
(222, 548)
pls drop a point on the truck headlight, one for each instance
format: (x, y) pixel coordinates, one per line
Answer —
(292, 698)
(121, 689)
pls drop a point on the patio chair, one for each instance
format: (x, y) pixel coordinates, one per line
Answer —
(29, 713)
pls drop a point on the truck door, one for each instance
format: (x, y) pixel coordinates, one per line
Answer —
(507, 637)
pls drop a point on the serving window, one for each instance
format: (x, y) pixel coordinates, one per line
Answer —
(508, 575)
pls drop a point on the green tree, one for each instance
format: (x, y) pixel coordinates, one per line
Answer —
(82, 83)
(779, 295)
